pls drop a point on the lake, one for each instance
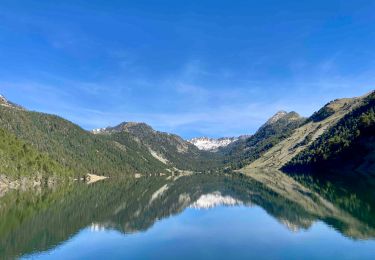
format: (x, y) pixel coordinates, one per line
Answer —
(266, 215)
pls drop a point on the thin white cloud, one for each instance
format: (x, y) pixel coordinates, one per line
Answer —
(226, 110)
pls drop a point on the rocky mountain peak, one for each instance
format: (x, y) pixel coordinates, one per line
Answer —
(133, 127)
(284, 116)
(125, 127)
(280, 114)
(212, 144)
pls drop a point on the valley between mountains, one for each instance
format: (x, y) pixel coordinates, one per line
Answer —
(41, 148)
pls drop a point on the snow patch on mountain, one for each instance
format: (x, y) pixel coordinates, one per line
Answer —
(99, 130)
(211, 144)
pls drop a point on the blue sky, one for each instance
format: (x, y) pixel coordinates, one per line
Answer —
(211, 68)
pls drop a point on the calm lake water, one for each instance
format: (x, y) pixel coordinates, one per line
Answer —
(268, 215)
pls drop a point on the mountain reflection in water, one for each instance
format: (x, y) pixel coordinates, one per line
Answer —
(39, 220)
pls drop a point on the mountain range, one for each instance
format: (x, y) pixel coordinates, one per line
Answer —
(39, 145)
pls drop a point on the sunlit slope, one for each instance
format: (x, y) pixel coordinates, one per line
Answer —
(305, 135)
(347, 146)
(246, 150)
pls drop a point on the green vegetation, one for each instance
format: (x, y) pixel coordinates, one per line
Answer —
(306, 140)
(170, 148)
(137, 148)
(322, 114)
(33, 219)
(18, 159)
(75, 148)
(350, 193)
(347, 144)
(243, 152)
(330, 109)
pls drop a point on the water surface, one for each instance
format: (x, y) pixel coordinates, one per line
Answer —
(267, 215)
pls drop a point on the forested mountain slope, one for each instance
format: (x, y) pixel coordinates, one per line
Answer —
(276, 129)
(18, 159)
(342, 131)
(303, 136)
(167, 148)
(349, 145)
(75, 148)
